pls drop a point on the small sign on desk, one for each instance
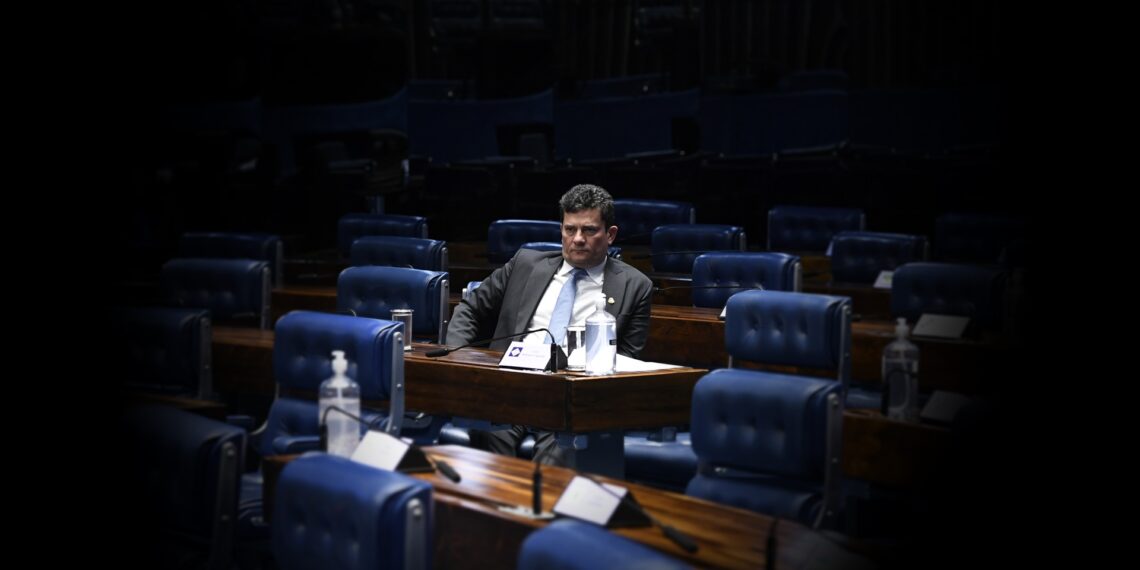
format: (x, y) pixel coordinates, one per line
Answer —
(527, 356)
(941, 326)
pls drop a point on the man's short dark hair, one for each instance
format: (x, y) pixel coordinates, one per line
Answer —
(588, 197)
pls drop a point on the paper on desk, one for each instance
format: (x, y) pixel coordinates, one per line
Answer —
(627, 364)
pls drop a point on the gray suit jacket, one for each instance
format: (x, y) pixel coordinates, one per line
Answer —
(512, 293)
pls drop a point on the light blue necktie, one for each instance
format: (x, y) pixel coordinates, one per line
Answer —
(564, 308)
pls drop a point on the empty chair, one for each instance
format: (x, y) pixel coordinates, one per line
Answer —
(950, 289)
(722, 274)
(805, 228)
(974, 238)
(353, 226)
(164, 350)
(568, 544)
(636, 219)
(614, 251)
(182, 474)
(231, 289)
(230, 245)
(859, 257)
(331, 512)
(675, 246)
(373, 291)
(505, 237)
(399, 251)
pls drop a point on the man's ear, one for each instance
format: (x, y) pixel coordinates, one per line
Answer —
(611, 234)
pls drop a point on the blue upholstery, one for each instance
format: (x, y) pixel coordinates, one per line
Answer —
(636, 219)
(765, 440)
(858, 257)
(614, 251)
(399, 251)
(184, 470)
(793, 329)
(353, 226)
(228, 288)
(227, 245)
(664, 464)
(505, 237)
(165, 350)
(740, 271)
(373, 291)
(978, 238)
(949, 289)
(331, 512)
(573, 545)
(805, 228)
(675, 246)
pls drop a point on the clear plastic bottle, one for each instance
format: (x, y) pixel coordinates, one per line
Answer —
(900, 375)
(342, 392)
(601, 340)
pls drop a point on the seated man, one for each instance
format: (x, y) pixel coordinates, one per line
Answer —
(527, 293)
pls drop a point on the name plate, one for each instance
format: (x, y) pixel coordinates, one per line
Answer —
(586, 500)
(941, 326)
(383, 451)
(883, 281)
(528, 356)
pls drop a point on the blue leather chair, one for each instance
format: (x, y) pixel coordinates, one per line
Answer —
(636, 219)
(399, 251)
(568, 544)
(950, 289)
(231, 289)
(614, 251)
(675, 246)
(373, 291)
(770, 327)
(505, 237)
(331, 512)
(354, 226)
(230, 245)
(858, 257)
(164, 350)
(974, 238)
(740, 271)
(806, 228)
(184, 472)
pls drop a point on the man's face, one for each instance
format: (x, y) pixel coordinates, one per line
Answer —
(585, 240)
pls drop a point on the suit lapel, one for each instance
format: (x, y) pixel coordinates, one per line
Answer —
(535, 288)
(614, 287)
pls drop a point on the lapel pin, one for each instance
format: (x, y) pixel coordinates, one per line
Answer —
(610, 301)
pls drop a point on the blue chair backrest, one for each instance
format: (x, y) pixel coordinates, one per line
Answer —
(949, 289)
(737, 271)
(766, 441)
(229, 245)
(165, 349)
(331, 512)
(399, 251)
(505, 237)
(614, 251)
(858, 257)
(636, 219)
(977, 238)
(186, 470)
(568, 544)
(791, 329)
(228, 288)
(373, 291)
(806, 228)
(675, 246)
(353, 226)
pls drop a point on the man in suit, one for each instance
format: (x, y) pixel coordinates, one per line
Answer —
(524, 294)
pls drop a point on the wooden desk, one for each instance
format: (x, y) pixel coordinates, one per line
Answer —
(890, 452)
(471, 531)
(589, 413)
(694, 336)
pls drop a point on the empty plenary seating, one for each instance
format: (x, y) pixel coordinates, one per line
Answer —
(505, 237)
(859, 257)
(675, 246)
(807, 228)
(231, 289)
(399, 251)
(719, 275)
(353, 226)
(636, 219)
(231, 245)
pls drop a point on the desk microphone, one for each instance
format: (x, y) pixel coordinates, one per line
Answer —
(557, 357)
(439, 464)
(679, 538)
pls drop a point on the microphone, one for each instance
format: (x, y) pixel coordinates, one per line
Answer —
(536, 490)
(679, 538)
(438, 464)
(770, 549)
(557, 357)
